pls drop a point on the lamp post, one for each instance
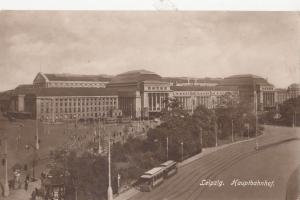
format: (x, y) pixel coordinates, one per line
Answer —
(34, 158)
(6, 187)
(181, 151)
(232, 138)
(47, 125)
(99, 139)
(201, 137)
(109, 189)
(19, 135)
(248, 129)
(167, 148)
(37, 145)
(119, 178)
(256, 119)
(294, 119)
(131, 110)
(216, 133)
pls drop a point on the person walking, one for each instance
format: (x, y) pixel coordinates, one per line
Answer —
(33, 195)
(26, 184)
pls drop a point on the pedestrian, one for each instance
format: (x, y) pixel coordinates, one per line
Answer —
(27, 177)
(26, 184)
(25, 167)
(33, 195)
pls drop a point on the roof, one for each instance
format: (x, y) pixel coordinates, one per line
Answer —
(244, 79)
(75, 92)
(77, 77)
(152, 172)
(5, 96)
(167, 163)
(203, 88)
(192, 80)
(67, 92)
(24, 86)
(244, 76)
(294, 86)
(155, 81)
(136, 76)
(23, 89)
(139, 71)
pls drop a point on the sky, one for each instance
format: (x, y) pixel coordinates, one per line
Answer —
(170, 43)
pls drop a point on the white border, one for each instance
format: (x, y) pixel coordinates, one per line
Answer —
(243, 5)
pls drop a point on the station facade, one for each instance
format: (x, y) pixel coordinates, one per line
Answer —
(134, 94)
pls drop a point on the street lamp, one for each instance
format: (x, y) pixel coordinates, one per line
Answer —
(256, 119)
(37, 145)
(232, 138)
(248, 130)
(47, 125)
(19, 136)
(216, 133)
(201, 137)
(181, 151)
(294, 119)
(34, 159)
(6, 186)
(109, 189)
(167, 148)
(99, 139)
(119, 178)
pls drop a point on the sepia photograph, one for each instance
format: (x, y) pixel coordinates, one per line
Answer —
(149, 105)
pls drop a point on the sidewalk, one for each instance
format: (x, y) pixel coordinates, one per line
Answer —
(22, 194)
(205, 151)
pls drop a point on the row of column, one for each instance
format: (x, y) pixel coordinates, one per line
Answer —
(268, 99)
(157, 101)
(193, 102)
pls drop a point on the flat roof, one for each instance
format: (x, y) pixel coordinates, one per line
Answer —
(78, 77)
(150, 173)
(167, 163)
(204, 88)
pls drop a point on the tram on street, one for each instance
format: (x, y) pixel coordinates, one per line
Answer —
(170, 168)
(151, 179)
(156, 176)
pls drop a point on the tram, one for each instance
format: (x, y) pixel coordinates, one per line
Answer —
(157, 175)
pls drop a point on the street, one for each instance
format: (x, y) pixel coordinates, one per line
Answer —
(274, 162)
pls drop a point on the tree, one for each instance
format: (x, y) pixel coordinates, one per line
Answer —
(230, 112)
(173, 110)
(290, 111)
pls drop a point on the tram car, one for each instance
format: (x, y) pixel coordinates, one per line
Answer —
(154, 177)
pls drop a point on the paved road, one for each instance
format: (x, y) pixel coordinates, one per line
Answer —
(275, 161)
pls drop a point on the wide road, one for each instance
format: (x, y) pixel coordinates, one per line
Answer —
(274, 162)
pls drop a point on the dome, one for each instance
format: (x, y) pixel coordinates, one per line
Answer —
(136, 76)
(294, 86)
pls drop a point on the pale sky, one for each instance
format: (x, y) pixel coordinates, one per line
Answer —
(170, 43)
